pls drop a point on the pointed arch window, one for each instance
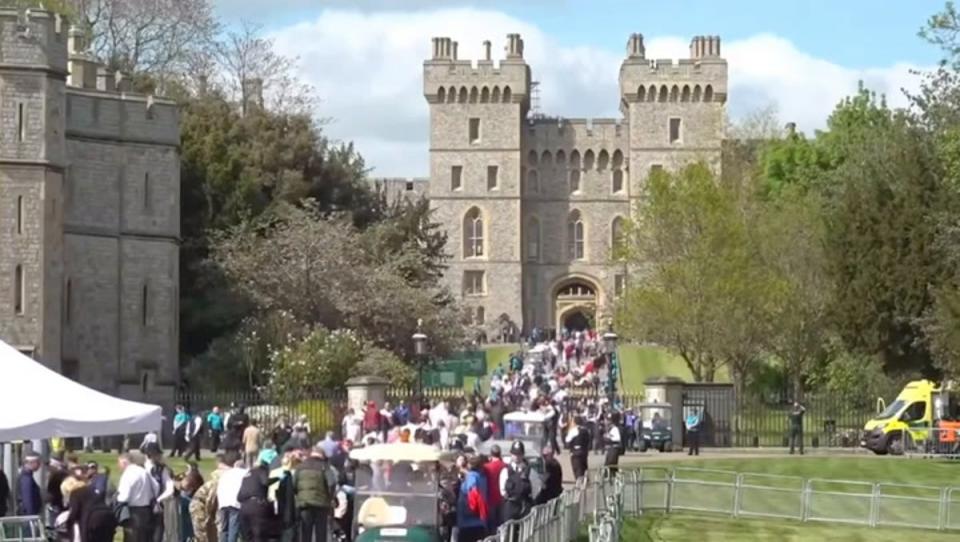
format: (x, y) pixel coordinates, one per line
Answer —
(533, 239)
(575, 236)
(473, 234)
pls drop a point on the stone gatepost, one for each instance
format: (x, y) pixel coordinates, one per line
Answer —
(363, 389)
(668, 389)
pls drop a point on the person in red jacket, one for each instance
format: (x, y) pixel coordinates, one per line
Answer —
(371, 419)
(492, 469)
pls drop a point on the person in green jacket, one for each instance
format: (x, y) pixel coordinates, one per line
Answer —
(314, 483)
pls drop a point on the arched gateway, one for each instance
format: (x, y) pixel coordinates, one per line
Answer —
(575, 302)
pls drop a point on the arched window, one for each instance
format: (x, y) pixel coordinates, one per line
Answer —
(533, 239)
(617, 181)
(506, 95)
(495, 97)
(546, 159)
(19, 294)
(575, 159)
(651, 93)
(675, 93)
(575, 235)
(532, 158)
(617, 235)
(588, 160)
(533, 182)
(561, 159)
(642, 94)
(603, 160)
(452, 95)
(696, 93)
(708, 93)
(474, 95)
(473, 234)
(617, 159)
(481, 315)
(441, 95)
(574, 181)
(663, 94)
(685, 95)
(463, 95)
(485, 95)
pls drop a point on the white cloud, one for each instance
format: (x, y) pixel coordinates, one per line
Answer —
(367, 67)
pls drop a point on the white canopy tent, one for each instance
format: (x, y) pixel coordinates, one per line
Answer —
(37, 403)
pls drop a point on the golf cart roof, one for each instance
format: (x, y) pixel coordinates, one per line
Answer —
(642, 406)
(411, 452)
(526, 417)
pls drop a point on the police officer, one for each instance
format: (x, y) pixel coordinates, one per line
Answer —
(516, 488)
(578, 441)
(613, 444)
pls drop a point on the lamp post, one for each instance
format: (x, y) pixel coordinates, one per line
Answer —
(610, 347)
(420, 354)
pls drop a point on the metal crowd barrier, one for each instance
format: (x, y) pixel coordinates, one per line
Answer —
(939, 442)
(556, 521)
(744, 495)
(22, 529)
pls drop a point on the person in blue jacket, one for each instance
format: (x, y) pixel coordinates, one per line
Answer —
(693, 431)
(472, 511)
(29, 498)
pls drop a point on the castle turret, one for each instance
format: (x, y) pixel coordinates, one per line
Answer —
(32, 88)
(476, 118)
(675, 108)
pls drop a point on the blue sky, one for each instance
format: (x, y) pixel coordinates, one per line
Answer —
(798, 57)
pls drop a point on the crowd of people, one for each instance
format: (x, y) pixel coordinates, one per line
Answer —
(282, 482)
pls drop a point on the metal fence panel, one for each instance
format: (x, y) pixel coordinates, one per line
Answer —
(703, 490)
(768, 495)
(900, 505)
(840, 501)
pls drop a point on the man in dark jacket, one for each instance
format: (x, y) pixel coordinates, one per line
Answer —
(29, 498)
(4, 494)
(552, 477)
(314, 488)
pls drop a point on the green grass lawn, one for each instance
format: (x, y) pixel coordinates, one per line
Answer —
(867, 468)
(768, 495)
(683, 527)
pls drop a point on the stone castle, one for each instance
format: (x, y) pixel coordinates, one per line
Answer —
(89, 213)
(533, 205)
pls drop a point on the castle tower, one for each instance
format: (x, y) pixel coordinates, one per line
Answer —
(476, 119)
(676, 109)
(33, 72)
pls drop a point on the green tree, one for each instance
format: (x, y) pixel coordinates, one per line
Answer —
(324, 360)
(697, 288)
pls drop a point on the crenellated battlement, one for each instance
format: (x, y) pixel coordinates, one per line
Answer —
(33, 38)
(700, 78)
(448, 79)
(572, 133)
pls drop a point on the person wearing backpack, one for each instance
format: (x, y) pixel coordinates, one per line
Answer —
(314, 484)
(90, 517)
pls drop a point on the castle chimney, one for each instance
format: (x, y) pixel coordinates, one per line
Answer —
(514, 46)
(436, 48)
(76, 41)
(486, 50)
(252, 94)
(695, 52)
(454, 54)
(635, 48)
(106, 80)
(122, 82)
